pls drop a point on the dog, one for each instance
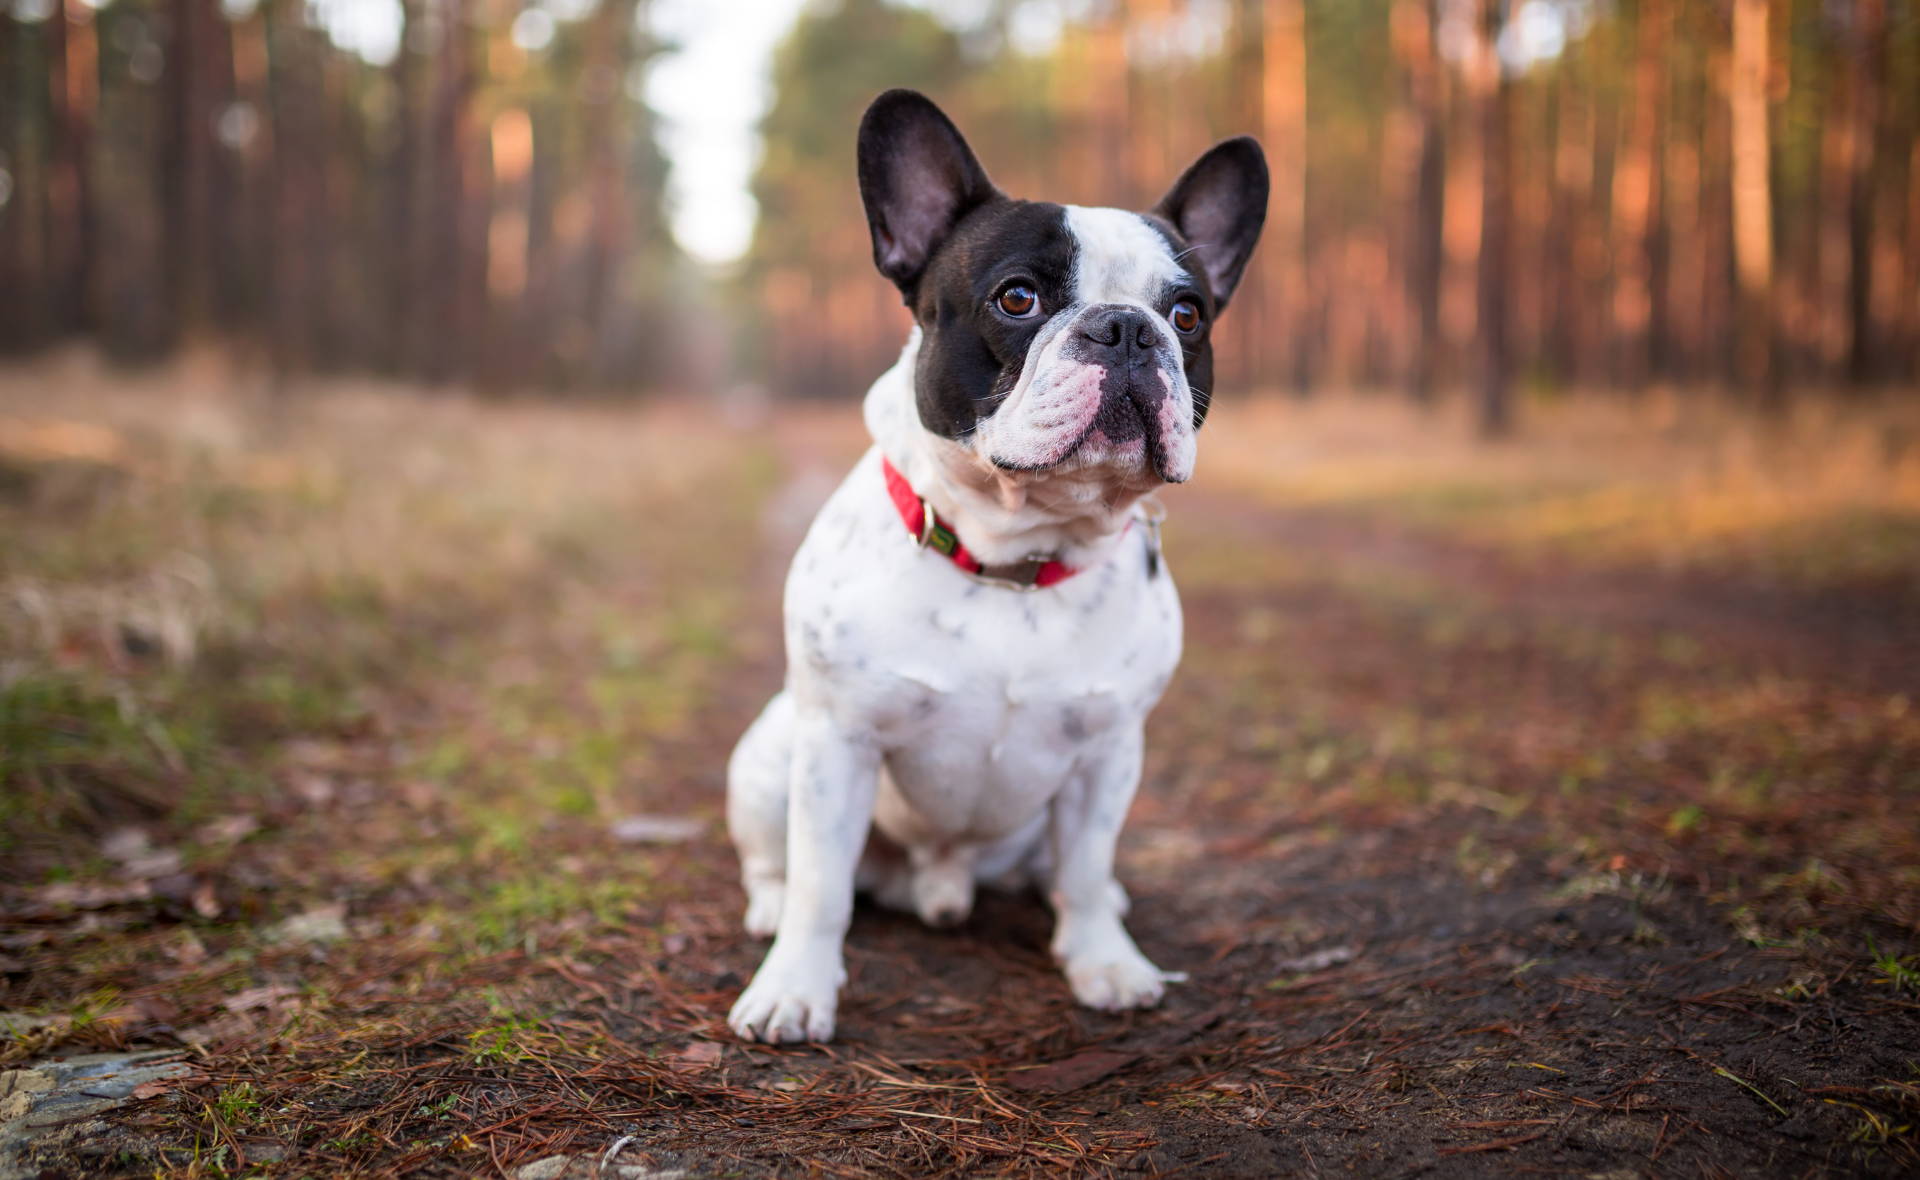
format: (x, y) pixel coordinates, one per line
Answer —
(979, 619)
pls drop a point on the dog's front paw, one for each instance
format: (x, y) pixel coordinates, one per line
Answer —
(1114, 984)
(792, 998)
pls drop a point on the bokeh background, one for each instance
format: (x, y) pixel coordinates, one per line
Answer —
(409, 408)
(634, 195)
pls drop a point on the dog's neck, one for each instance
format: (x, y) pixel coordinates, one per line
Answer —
(1001, 516)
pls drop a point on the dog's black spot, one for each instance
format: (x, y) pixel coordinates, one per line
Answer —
(1073, 726)
(970, 354)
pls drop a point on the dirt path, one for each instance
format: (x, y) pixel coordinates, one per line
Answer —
(1419, 969)
(1474, 867)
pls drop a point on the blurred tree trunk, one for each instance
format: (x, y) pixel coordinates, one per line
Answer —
(247, 271)
(1868, 62)
(195, 55)
(301, 231)
(1639, 296)
(1145, 102)
(1413, 31)
(1909, 311)
(1245, 347)
(398, 273)
(1688, 181)
(1753, 352)
(1493, 101)
(1284, 125)
(1720, 302)
(26, 268)
(1824, 297)
(610, 57)
(543, 191)
(129, 259)
(1573, 151)
(71, 78)
(450, 135)
(14, 294)
(1107, 73)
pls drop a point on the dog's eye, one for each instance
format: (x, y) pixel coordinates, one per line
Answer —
(1018, 301)
(1185, 315)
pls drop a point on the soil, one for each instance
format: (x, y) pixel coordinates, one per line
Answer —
(1450, 904)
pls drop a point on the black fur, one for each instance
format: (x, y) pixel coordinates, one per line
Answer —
(1218, 205)
(971, 355)
(918, 179)
(951, 242)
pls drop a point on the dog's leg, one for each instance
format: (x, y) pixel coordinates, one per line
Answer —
(1103, 966)
(829, 808)
(757, 812)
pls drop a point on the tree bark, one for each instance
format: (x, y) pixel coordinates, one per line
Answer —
(192, 57)
(1493, 99)
(1753, 353)
(1283, 120)
(1868, 67)
(607, 63)
(1639, 296)
(1413, 25)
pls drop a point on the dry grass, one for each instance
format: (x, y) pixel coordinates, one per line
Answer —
(1827, 492)
(197, 576)
(1529, 804)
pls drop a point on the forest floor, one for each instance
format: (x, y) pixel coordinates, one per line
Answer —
(1544, 806)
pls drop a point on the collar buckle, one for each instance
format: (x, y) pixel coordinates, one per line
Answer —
(1015, 575)
(927, 524)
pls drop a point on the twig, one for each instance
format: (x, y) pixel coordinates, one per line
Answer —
(1756, 1091)
(1491, 1145)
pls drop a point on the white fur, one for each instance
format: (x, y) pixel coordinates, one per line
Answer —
(1120, 259)
(987, 734)
(1045, 420)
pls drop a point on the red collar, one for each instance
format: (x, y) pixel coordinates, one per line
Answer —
(1039, 569)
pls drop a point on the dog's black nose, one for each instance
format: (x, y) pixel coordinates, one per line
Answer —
(1119, 330)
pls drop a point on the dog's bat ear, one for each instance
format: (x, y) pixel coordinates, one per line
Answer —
(1219, 205)
(917, 178)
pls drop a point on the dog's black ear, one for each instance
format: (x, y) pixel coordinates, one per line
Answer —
(1219, 205)
(917, 177)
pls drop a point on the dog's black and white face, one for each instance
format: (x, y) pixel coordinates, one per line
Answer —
(1057, 338)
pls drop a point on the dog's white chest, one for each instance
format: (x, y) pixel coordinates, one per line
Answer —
(984, 701)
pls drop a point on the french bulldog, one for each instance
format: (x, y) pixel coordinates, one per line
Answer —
(980, 619)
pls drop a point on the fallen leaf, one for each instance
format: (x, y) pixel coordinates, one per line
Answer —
(1071, 1073)
(206, 902)
(126, 844)
(656, 829)
(315, 790)
(149, 1009)
(91, 895)
(1319, 960)
(699, 1053)
(327, 923)
(229, 829)
(258, 997)
(163, 1086)
(139, 859)
(162, 862)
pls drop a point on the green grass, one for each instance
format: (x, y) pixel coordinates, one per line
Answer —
(1900, 973)
(75, 753)
(237, 1105)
